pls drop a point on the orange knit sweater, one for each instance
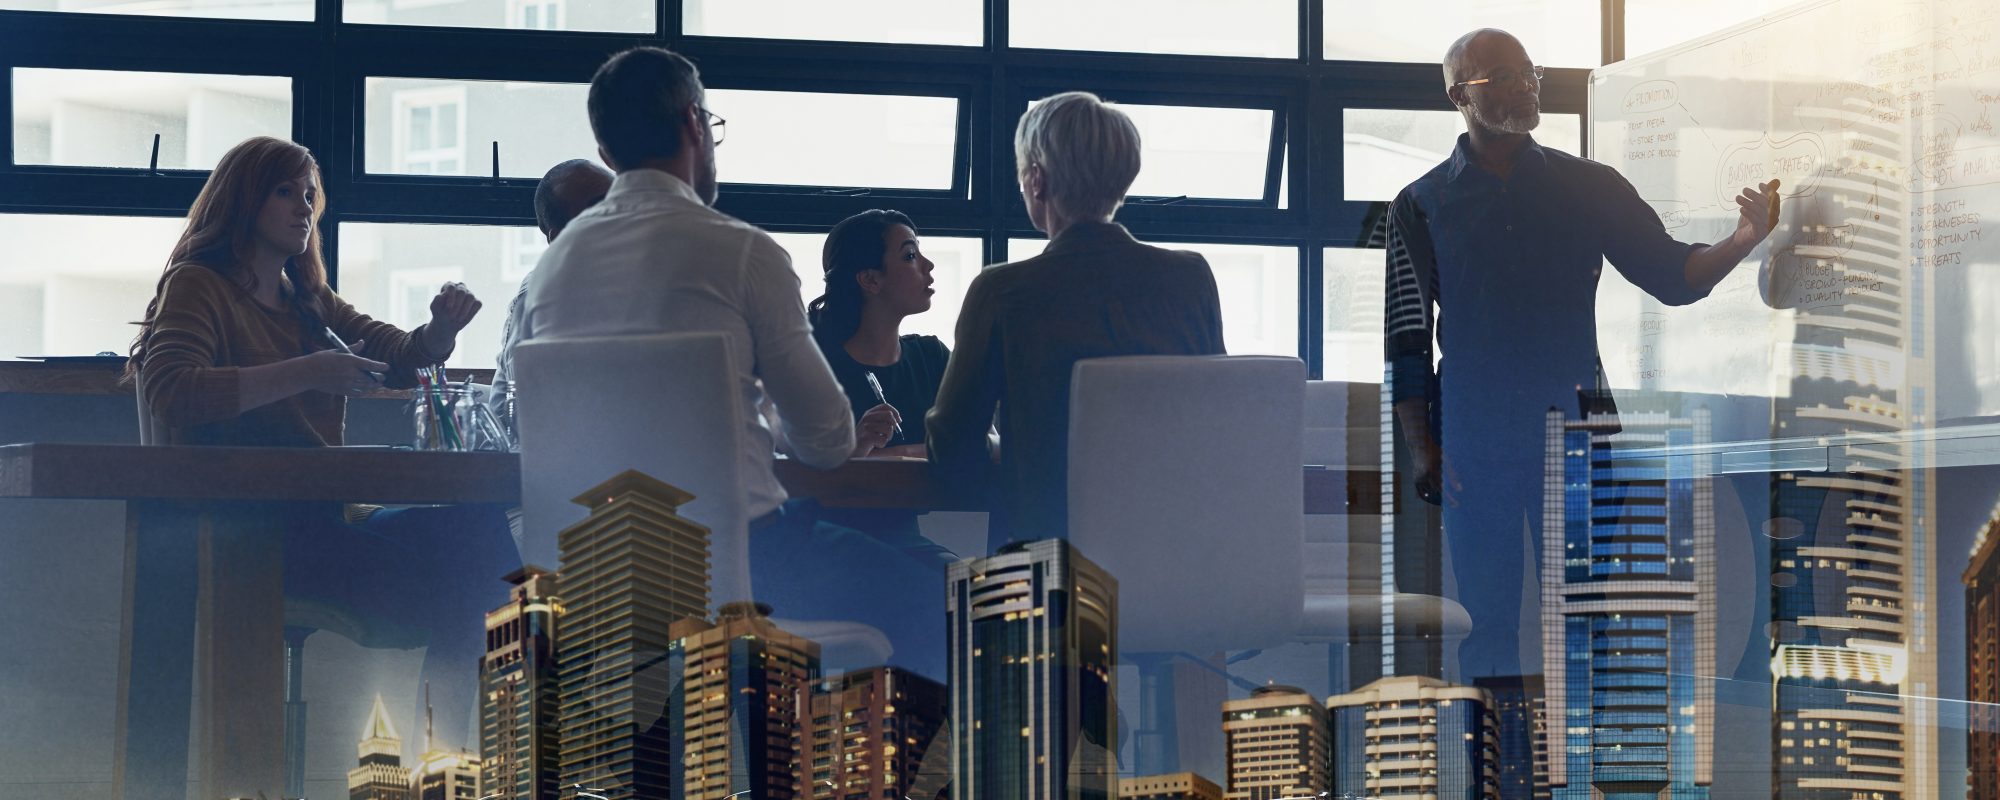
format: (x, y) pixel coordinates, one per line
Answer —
(207, 328)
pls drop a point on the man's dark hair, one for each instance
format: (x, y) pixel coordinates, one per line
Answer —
(636, 100)
(549, 210)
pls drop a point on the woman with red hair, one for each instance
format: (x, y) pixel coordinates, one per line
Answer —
(244, 344)
(238, 345)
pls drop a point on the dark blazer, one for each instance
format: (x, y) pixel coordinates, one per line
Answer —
(1094, 292)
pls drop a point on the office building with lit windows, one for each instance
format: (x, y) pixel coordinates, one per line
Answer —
(745, 687)
(1629, 605)
(518, 691)
(1033, 636)
(878, 732)
(631, 570)
(1414, 737)
(1278, 744)
(1520, 713)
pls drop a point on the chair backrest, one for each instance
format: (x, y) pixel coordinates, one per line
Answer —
(150, 430)
(1185, 485)
(665, 405)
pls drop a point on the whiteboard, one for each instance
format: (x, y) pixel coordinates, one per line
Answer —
(1879, 120)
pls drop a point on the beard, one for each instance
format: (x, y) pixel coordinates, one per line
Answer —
(1508, 122)
(706, 185)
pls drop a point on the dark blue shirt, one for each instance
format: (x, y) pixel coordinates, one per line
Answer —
(1506, 272)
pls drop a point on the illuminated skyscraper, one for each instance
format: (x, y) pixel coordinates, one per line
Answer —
(1277, 744)
(519, 691)
(381, 774)
(443, 774)
(743, 692)
(869, 732)
(1628, 598)
(1520, 712)
(1033, 637)
(630, 570)
(1414, 737)
(1982, 664)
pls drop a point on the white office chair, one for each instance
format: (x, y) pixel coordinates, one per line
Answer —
(1184, 485)
(666, 405)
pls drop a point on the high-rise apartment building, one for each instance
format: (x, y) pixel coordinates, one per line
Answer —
(1629, 605)
(518, 692)
(381, 774)
(869, 732)
(1854, 578)
(1033, 641)
(1520, 713)
(744, 690)
(1982, 664)
(1414, 737)
(1175, 786)
(1277, 744)
(630, 570)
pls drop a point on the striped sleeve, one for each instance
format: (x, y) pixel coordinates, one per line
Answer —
(1409, 292)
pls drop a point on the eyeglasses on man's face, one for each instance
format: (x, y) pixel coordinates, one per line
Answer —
(715, 124)
(1531, 74)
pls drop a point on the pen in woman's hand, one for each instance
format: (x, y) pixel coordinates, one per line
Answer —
(880, 398)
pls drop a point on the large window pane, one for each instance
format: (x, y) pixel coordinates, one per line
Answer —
(391, 272)
(94, 118)
(290, 10)
(1383, 150)
(1202, 152)
(1258, 28)
(1655, 24)
(618, 16)
(1353, 280)
(896, 21)
(830, 139)
(426, 126)
(958, 260)
(59, 297)
(1557, 33)
(1258, 285)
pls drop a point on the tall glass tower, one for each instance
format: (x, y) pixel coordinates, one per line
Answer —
(1033, 638)
(1628, 598)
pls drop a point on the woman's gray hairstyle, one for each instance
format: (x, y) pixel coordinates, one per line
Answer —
(1087, 149)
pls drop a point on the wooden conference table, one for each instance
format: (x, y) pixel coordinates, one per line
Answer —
(188, 631)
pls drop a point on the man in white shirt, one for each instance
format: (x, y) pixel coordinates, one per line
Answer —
(654, 257)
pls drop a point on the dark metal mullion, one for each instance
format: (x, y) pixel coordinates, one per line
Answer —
(316, 103)
(669, 27)
(1306, 163)
(998, 195)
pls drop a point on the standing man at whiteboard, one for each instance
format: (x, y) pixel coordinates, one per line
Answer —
(1497, 252)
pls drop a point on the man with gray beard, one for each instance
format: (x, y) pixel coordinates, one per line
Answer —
(1511, 237)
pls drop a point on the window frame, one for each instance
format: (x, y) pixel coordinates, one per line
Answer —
(328, 61)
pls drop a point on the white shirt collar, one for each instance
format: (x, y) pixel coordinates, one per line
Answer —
(651, 181)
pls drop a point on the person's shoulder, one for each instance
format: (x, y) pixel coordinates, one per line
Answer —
(1565, 163)
(196, 276)
(926, 344)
